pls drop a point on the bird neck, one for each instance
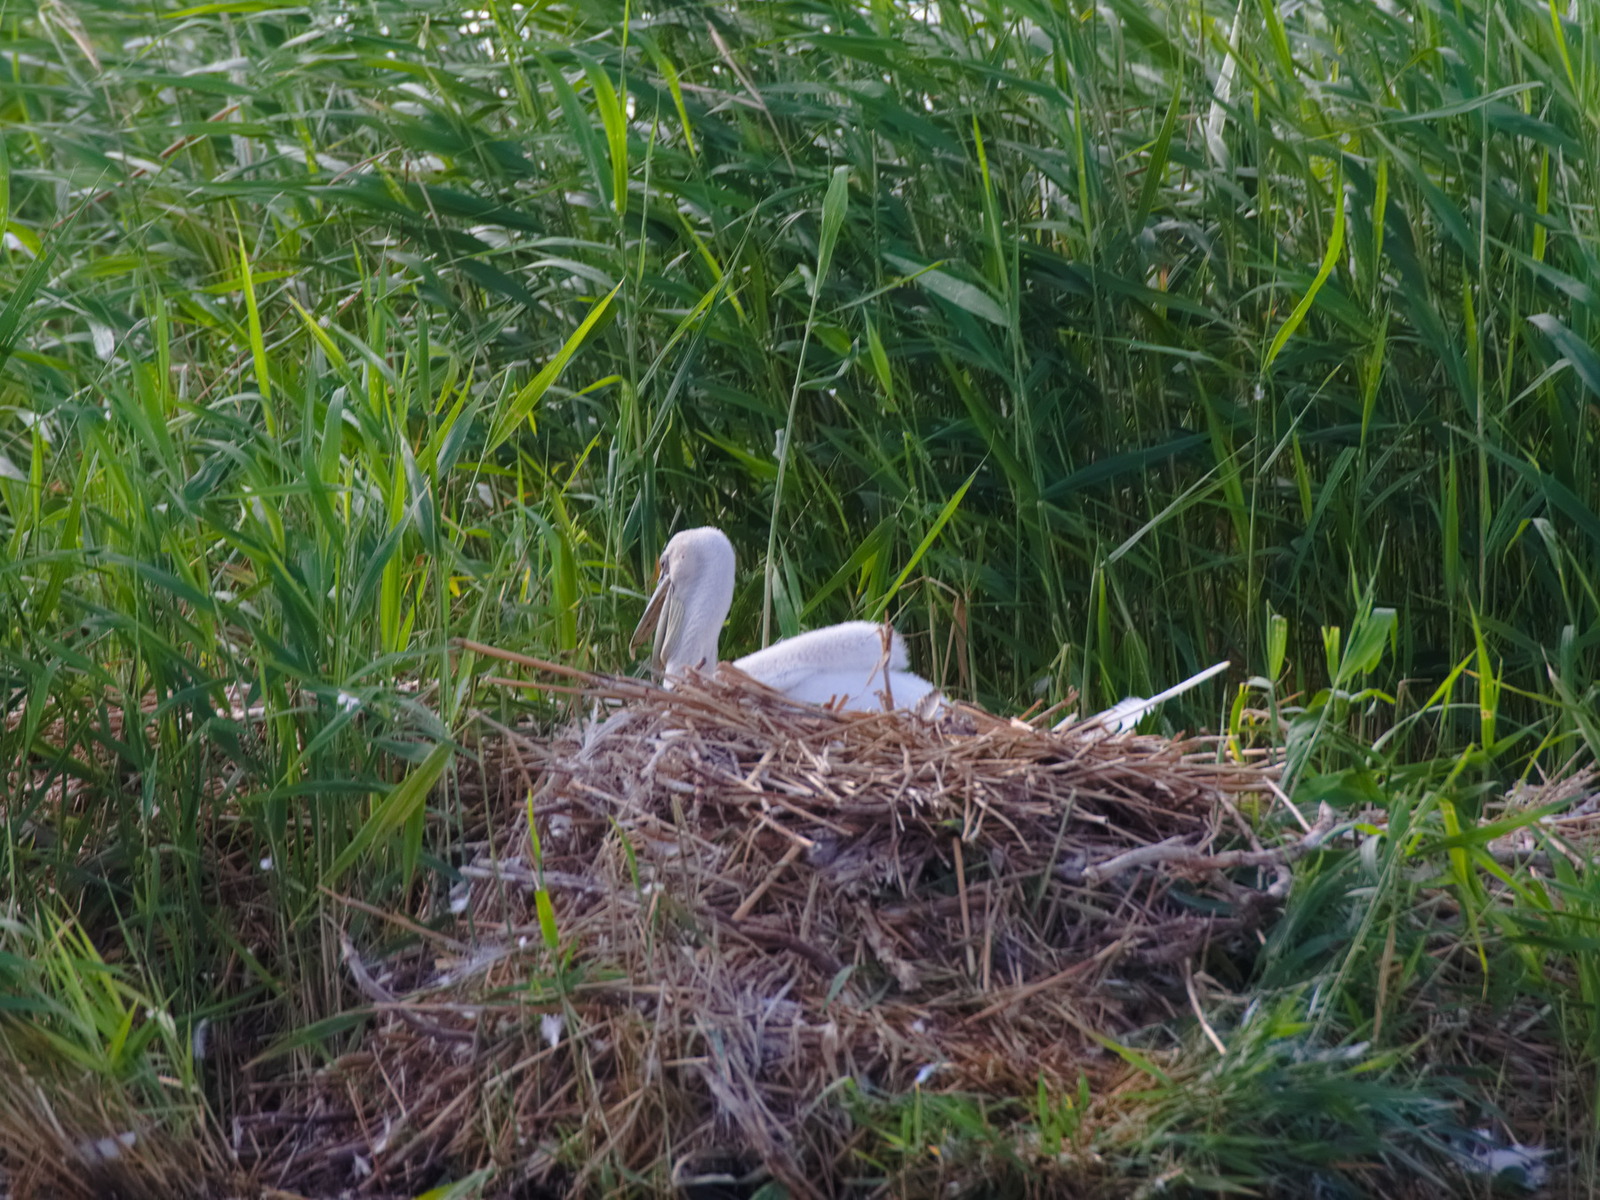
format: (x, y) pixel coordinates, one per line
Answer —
(704, 610)
(695, 651)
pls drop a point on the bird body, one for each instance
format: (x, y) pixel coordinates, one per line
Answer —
(856, 665)
(853, 661)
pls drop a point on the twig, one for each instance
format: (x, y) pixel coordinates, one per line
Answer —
(1017, 995)
(375, 991)
(966, 908)
(1177, 851)
(1199, 1013)
(750, 901)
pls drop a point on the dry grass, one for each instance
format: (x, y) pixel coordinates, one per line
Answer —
(64, 1134)
(746, 903)
(747, 940)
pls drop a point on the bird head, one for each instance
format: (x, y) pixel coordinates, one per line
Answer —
(694, 590)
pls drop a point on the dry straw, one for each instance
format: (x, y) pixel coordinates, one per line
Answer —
(733, 913)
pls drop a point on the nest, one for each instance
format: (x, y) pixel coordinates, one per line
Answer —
(712, 924)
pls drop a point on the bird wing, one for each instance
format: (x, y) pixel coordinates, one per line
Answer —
(839, 663)
(848, 646)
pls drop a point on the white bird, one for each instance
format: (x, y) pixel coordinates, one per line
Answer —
(857, 665)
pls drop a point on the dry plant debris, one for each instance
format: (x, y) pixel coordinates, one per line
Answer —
(731, 910)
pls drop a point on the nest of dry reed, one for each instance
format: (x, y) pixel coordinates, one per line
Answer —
(734, 916)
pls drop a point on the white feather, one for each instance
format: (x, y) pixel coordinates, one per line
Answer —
(1124, 716)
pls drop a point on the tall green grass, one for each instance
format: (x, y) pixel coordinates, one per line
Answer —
(1219, 314)
(1090, 345)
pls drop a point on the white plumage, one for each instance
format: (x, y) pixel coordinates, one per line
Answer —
(1124, 716)
(856, 665)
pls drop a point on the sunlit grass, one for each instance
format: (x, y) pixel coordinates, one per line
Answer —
(1091, 346)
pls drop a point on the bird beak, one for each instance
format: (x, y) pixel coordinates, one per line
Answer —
(655, 622)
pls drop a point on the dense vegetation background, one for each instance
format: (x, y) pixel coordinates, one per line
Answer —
(1091, 344)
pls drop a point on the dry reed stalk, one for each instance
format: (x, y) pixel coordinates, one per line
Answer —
(747, 901)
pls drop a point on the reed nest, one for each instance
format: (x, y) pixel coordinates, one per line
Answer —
(733, 918)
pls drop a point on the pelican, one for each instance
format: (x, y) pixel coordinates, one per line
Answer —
(856, 665)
